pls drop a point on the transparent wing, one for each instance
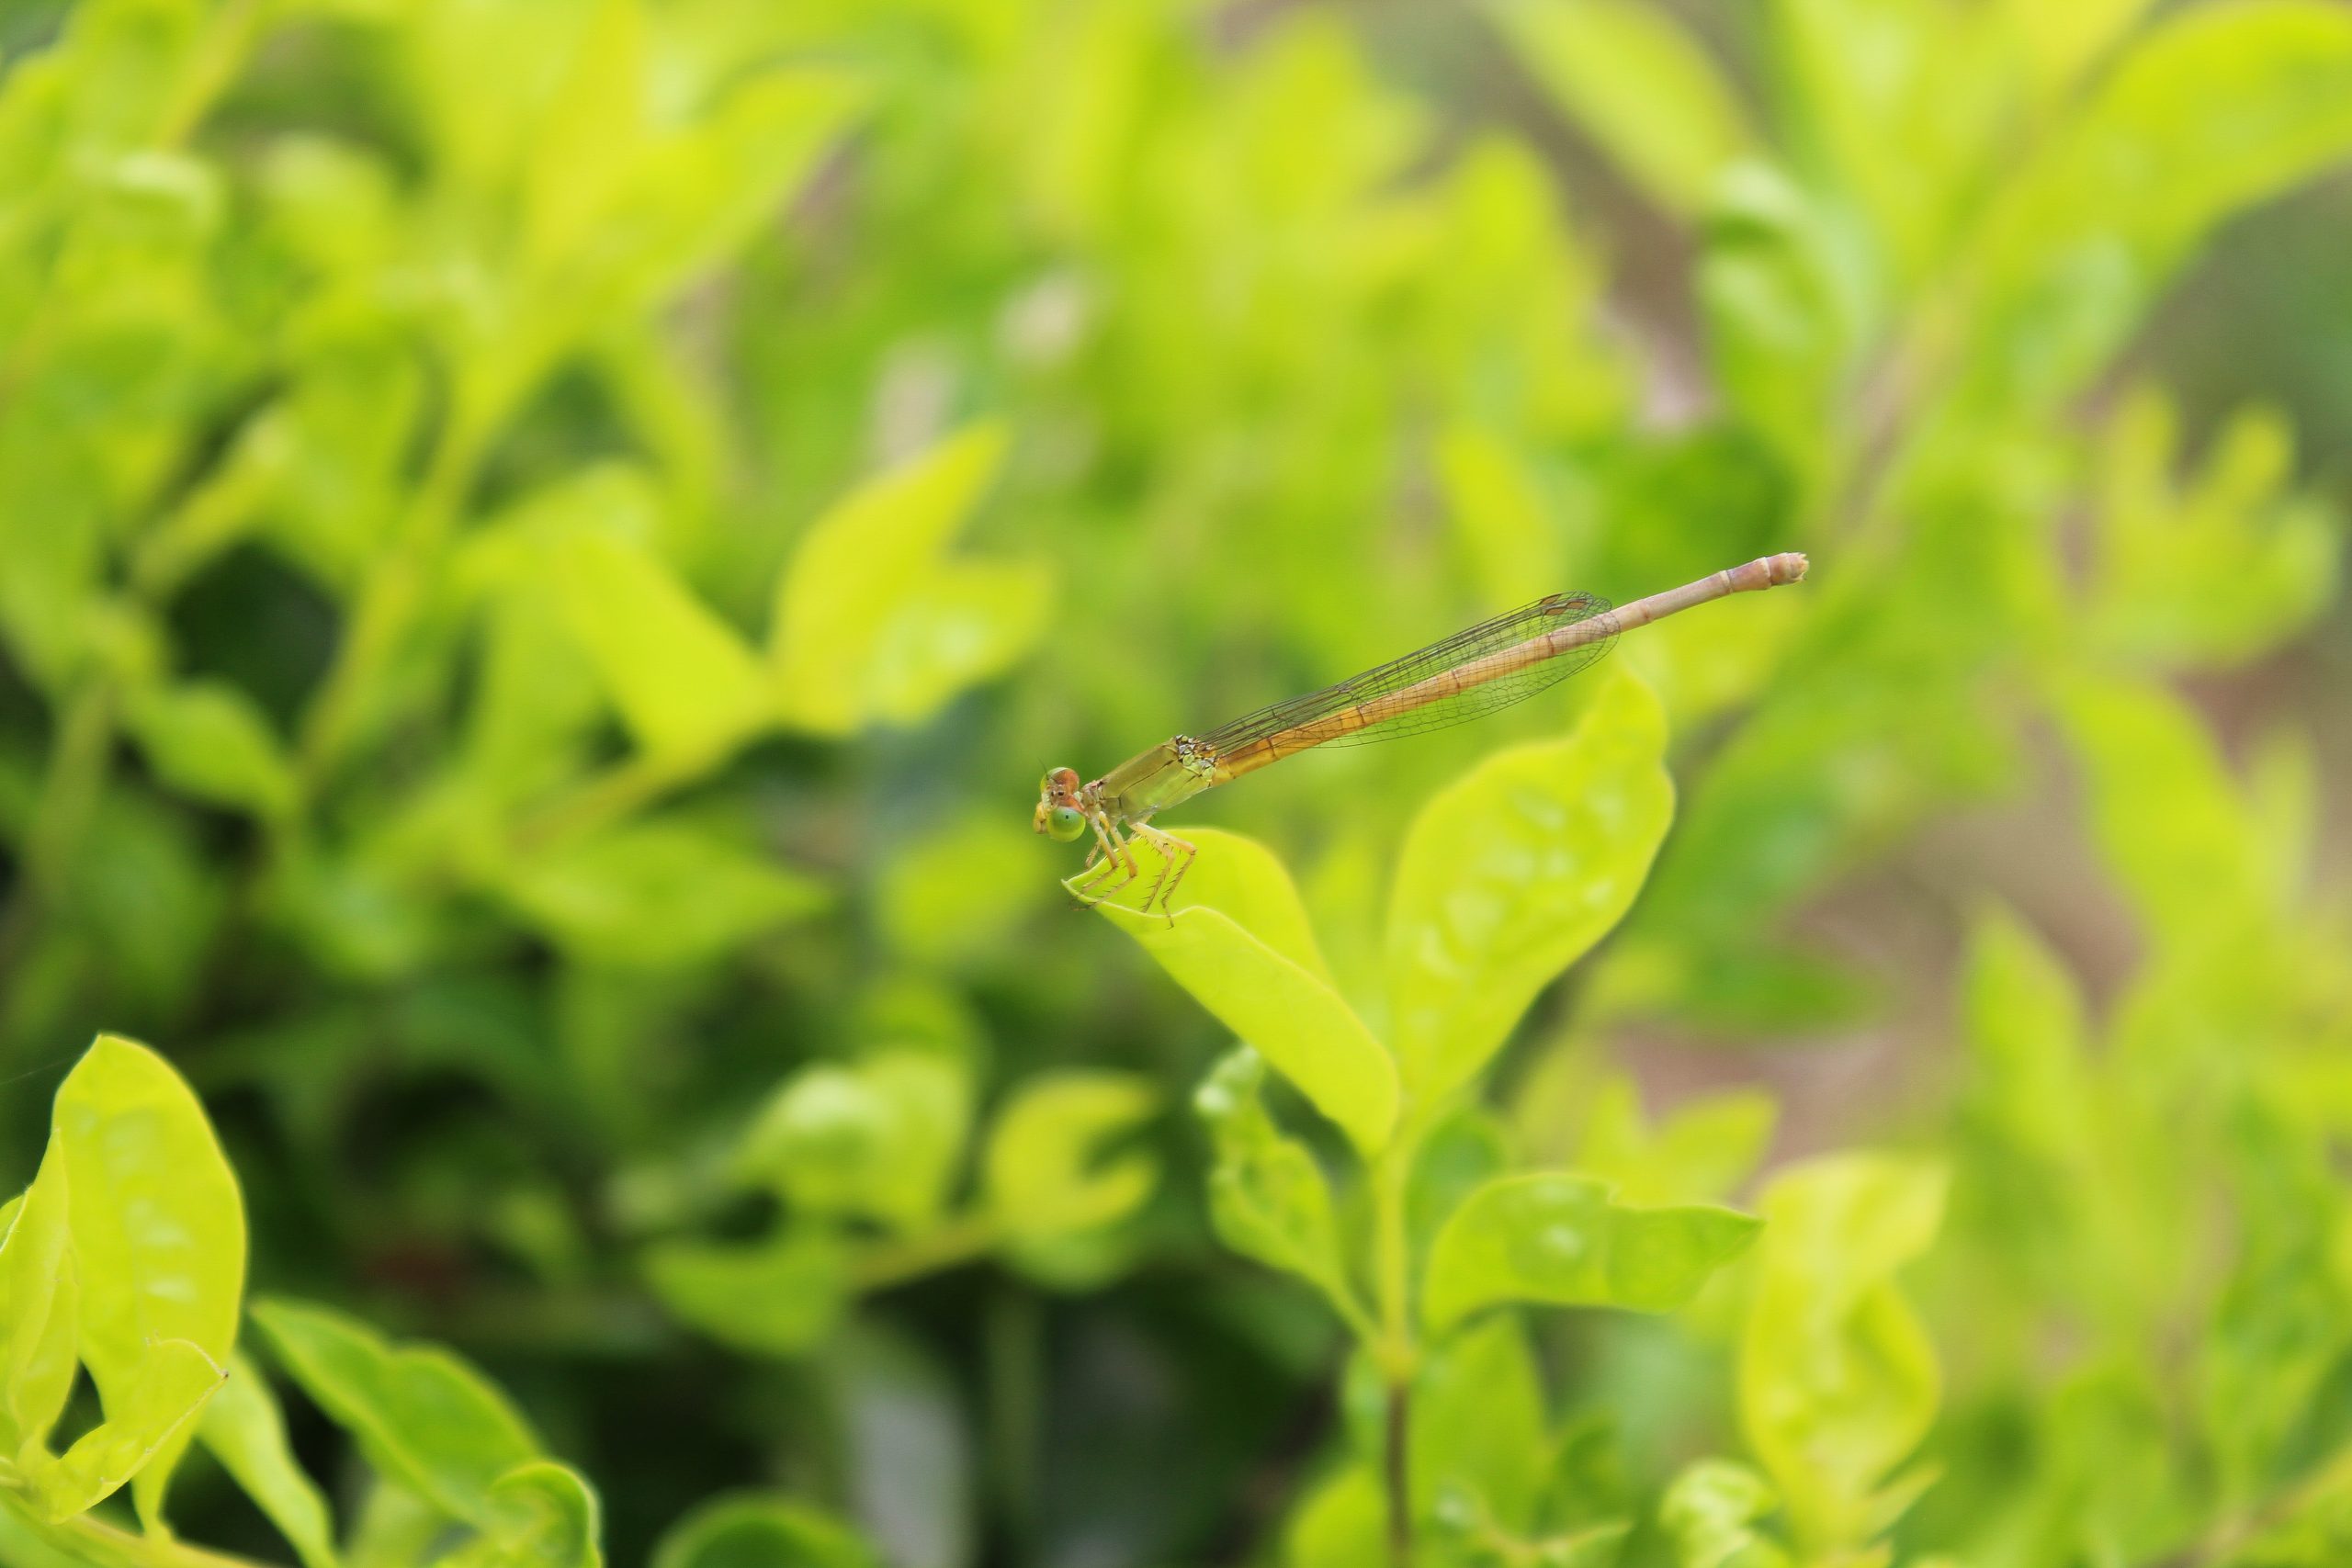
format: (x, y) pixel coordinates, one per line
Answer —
(1498, 662)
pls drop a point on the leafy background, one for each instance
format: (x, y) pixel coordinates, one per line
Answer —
(544, 544)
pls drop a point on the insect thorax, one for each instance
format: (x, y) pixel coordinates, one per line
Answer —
(1194, 757)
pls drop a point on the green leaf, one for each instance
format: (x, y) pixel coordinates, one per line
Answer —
(1837, 1380)
(2062, 40)
(687, 684)
(535, 702)
(1467, 1149)
(1558, 1239)
(206, 739)
(1478, 1433)
(1342, 1524)
(539, 1515)
(38, 1308)
(2212, 110)
(424, 1418)
(1511, 874)
(1506, 530)
(2216, 570)
(839, 642)
(246, 1432)
(1696, 1155)
(697, 194)
(1043, 1173)
(1710, 1514)
(961, 892)
(2166, 814)
(146, 1425)
(1639, 85)
(1253, 963)
(756, 1531)
(657, 894)
(967, 623)
(777, 1298)
(395, 1528)
(2028, 1037)
(1244, 881)
(159, 1245)
(2207, 113)
(590, 139)
(1901, 104)
(1267, 1196)
(1786, 285)
(878, 1139)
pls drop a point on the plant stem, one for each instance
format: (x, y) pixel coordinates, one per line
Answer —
(954, 1241)
(619, 792)
(1396, 1353)
(1398, 1473)
(388, 602)
(88, 1540)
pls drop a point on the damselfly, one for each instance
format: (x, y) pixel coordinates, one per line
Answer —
(1469, 675)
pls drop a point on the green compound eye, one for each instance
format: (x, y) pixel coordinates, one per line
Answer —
(1065, 822)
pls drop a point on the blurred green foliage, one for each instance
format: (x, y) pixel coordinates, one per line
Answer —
(543, 544)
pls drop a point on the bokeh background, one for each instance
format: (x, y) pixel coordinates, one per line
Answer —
(544, 544)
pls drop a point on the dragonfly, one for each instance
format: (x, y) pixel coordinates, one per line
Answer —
(1470, 674)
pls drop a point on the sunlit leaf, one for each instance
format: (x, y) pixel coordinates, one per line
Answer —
(970, 623)
(1903, 102)
(1697, 1154)
(1268, 1197)
(658, 893)
(1047, 1172)
(1478, 1431)
(2168, 816)
(1639, 85)
(245, 1429)
(1465, 1151)
(775, 1298)
(683, 681)
(536, 701)
(871, 560)
(1342, 1524)
(2028, 1035)
(1507, 532)
(879, 1138)
(424, 1418)
(2062, 40)
(1711, 1511)
(1508, 875)
(589, 142)
(1252, 963)
(961, 892)
(159, 1245)
(2211, 109)
(2215, 570)
(538, 1515)
(38, 1308)
(206, 739)
(1837, 1378)
(146, 1429)
(1557, 1239)
(754, 1530)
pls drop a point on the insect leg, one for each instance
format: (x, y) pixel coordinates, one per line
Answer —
(1118, 857)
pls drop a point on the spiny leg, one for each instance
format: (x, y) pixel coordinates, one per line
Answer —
(1101, 860)
(1175, 859)
(1118, 857)
(1188, 850)
(1086, 868)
